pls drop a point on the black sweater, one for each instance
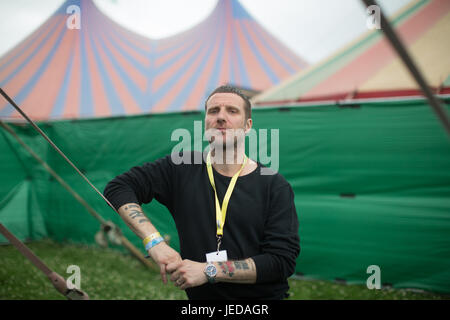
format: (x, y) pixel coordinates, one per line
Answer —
(261, 221)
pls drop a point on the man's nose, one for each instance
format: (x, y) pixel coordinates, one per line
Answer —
(221, 115)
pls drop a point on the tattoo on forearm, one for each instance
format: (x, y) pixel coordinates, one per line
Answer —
(227, 268)
(133, 214)
(241, 265)
(131, 206)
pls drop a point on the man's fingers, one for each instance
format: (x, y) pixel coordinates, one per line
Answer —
(163, 273)
(175, 276)
(173, 266)
(184, 286)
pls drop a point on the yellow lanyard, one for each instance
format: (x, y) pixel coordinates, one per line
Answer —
(221, 212)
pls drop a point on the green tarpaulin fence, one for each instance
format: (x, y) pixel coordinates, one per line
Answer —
(371, 183)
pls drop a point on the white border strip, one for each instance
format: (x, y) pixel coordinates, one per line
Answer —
(346, 101)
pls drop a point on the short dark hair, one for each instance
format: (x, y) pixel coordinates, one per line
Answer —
(230, 89)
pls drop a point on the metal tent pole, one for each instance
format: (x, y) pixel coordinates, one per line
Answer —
(411, 66)
(107, 226)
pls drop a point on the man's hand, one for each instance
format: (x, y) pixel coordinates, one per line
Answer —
(187, 274)
(164, 255)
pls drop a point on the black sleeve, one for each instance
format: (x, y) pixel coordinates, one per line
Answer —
(143, 183)
(281, 243)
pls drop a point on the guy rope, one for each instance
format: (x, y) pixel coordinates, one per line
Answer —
(109, 228)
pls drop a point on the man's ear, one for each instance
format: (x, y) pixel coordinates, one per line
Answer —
(248, 125)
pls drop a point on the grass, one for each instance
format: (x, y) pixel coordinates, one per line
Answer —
(108, 274)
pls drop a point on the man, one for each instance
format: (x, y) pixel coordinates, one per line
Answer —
(238, 229)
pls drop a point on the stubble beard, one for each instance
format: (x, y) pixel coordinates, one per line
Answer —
(222, 149)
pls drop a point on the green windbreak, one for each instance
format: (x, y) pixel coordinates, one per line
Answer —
(371, 183)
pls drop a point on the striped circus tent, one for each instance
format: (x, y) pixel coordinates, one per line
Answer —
(103, 69)
(370, 68)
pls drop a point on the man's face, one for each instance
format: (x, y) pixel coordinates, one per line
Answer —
(225, 119)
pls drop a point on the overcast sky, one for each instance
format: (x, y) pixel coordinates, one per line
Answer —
(313, 29)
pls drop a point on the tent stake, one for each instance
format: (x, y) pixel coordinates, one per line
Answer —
(57, 281)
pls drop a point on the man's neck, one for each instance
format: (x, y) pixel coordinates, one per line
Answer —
(228, 164)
